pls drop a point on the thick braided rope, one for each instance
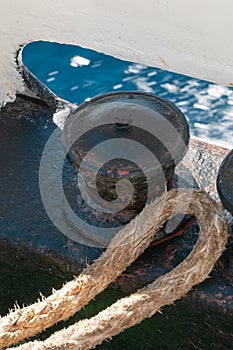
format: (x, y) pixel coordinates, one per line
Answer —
(131, 310)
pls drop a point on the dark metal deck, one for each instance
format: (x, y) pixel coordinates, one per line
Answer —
(30, 240)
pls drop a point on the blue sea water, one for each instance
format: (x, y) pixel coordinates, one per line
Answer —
(76, 74)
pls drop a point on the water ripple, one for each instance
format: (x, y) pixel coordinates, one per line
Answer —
(76, 74)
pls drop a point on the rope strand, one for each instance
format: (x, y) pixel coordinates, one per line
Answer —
(126, 312)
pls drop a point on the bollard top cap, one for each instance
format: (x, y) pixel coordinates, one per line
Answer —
(146, 119)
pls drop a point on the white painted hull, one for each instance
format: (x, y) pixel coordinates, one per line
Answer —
(190, 37)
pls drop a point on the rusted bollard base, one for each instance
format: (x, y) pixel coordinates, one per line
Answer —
(181, 178)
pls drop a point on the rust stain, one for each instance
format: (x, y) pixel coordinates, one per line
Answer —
(203, 296)
(129, 275)
(175, 234)
(123, 172)
(164, 63)
(230, 84)
(139, 272)
(218, 295)
(205, 146)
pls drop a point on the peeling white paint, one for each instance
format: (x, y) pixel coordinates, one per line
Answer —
(190, 37)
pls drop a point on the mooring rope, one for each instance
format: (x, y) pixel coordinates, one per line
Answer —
(126, 246)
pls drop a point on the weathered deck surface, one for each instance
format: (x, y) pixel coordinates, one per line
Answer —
(34, 253)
